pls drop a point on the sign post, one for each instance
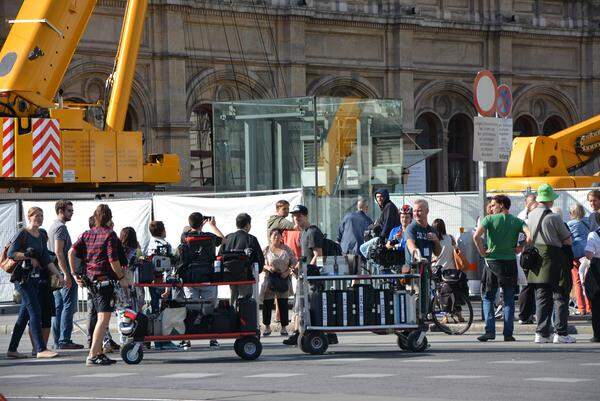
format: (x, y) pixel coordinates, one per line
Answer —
(492, 136)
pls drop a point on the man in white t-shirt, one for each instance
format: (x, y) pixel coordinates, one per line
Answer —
(530, 204)
(527, 293)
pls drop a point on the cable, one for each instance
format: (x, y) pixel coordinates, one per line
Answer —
(237, 33)
(237, 87)
(275, 48)
(264, 47)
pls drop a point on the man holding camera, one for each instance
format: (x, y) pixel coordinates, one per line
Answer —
(208, 294)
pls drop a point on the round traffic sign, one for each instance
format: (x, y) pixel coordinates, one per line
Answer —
(503, 101)
(484, 91)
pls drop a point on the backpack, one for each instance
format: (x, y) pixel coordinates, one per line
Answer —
(330, 247)
(235, 266)
(196, 257)
(7, 264)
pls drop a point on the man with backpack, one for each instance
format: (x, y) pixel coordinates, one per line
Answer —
(242, 240)
(197, 253)
(313, 244)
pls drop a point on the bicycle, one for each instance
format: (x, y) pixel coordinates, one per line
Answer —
(450, 310)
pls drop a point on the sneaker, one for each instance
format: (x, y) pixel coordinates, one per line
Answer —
(283, 332)
(485, 337)
(563, 339)
(332, 338)
(70, 346)
(98, 361)
(111, 361)
(15, 355)
(46, 354)
(267, 331)
(539, 339)
(214, 344)
(595, 340)
(292, 340)
(185, 344)
(509, 338)
(528, 321)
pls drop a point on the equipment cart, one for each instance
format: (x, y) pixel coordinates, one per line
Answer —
(247, 344)
(393, 308)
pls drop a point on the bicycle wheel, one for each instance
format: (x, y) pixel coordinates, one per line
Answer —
(453, 314)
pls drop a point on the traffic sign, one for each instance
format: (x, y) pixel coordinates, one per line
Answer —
(484, 91)
(503, 101)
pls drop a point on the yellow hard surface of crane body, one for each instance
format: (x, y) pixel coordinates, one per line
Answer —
(550, 159)
(49, 144)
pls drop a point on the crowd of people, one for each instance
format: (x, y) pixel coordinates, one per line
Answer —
(50, 266)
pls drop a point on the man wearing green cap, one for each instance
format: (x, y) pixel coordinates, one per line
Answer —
(552, 280)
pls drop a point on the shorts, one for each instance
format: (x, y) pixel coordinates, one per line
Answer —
(47, 309)
(103, 300)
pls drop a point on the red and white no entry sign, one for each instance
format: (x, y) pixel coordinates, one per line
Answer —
(503, 101)
(484, 91)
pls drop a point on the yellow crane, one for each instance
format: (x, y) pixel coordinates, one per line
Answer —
(551, 159)
(49, 144)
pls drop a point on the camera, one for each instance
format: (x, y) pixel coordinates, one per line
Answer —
(385, 257)
(373, 231)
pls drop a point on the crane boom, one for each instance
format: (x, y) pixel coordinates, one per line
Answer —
(48, 145)
(540, 159)
(39, 48)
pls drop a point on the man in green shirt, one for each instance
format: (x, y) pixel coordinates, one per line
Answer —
(502, 229)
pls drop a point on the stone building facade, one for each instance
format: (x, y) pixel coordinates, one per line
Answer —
(426, 52)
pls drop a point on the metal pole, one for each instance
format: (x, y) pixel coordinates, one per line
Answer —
(482, 190)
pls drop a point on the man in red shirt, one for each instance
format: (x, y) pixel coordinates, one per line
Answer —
(100, 245)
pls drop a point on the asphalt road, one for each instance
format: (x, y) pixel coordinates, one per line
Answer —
(362, 367)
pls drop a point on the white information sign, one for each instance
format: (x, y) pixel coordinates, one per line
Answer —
(492, 139)
(417, 179)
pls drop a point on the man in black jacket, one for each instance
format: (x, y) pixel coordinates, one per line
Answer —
(389, 217)
(240, 241)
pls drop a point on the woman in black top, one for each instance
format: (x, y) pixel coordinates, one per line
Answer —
(30, 248)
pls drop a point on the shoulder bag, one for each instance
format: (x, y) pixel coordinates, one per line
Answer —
(531, 260)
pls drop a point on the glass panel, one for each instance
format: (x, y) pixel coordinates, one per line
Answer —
(259, 144)
(360, 146)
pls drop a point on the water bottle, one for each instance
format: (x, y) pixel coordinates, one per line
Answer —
(217, 266)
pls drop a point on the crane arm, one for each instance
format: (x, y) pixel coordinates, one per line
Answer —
(557, 154)
(38, 50)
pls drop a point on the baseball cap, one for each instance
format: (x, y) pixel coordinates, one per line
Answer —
(406, 209)
(301, 209)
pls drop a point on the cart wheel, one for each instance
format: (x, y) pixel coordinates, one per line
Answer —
(248, 348)
(313, 342)
(412, 342)
(132, 353)
(402, 342)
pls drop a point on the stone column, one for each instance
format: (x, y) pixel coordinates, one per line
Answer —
(291, 44)
(171, 123)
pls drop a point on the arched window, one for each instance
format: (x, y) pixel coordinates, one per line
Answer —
(525, 125)
(553, 124)
(131, 120)
(431, 128)
(201, 148)
(462, 173)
